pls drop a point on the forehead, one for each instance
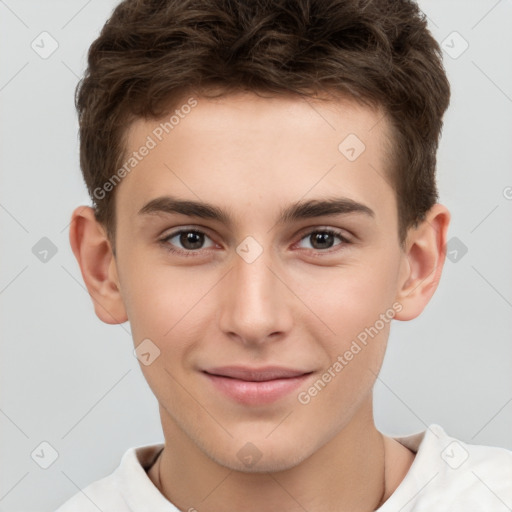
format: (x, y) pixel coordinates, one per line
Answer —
(248, 152)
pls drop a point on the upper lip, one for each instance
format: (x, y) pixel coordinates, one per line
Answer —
(256, 374)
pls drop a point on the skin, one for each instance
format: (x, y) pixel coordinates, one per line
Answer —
(298, 305)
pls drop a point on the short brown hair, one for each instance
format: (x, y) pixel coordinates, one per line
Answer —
(152, 52)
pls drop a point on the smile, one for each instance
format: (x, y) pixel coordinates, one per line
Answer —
(256, 387)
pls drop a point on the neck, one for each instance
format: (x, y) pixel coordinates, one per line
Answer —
(348, 473)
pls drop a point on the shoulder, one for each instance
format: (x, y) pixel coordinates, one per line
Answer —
(100, 494)
(449, 474)
(476, 462)
(123, 489)
(481, 475)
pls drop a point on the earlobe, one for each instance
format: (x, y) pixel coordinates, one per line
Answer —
(425, 257)
(93, 252)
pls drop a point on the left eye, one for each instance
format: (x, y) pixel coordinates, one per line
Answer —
(323, 239)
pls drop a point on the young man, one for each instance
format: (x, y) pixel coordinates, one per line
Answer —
(263, 178)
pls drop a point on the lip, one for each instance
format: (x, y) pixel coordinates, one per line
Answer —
(256, 374)
(256, 386)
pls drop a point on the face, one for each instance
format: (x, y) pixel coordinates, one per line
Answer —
(294, 263)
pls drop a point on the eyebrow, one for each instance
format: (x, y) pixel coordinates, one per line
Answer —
(294, 212)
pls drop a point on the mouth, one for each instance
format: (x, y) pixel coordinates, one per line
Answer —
(256, 386)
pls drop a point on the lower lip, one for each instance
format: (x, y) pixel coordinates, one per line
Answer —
(256, 393)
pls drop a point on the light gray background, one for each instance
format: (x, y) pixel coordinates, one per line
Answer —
(73, 382)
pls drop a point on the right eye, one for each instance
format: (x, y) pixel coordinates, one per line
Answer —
(191, 240)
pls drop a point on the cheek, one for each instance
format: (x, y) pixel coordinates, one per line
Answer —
(164, 308)
(356, 303)
(352, 299)
(147, 299)
(166, 304)
(359, 312)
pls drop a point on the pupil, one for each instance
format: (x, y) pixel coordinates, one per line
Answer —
(322, 237)
(191, 240)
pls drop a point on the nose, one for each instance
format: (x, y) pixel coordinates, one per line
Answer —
(255, 301)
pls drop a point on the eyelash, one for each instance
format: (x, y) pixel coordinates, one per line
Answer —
(197, 252)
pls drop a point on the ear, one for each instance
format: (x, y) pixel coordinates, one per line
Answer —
(423, 262)
(93, 252)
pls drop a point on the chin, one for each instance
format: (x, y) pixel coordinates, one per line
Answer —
(262, 457)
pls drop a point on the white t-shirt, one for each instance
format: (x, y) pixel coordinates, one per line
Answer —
(447, 475)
